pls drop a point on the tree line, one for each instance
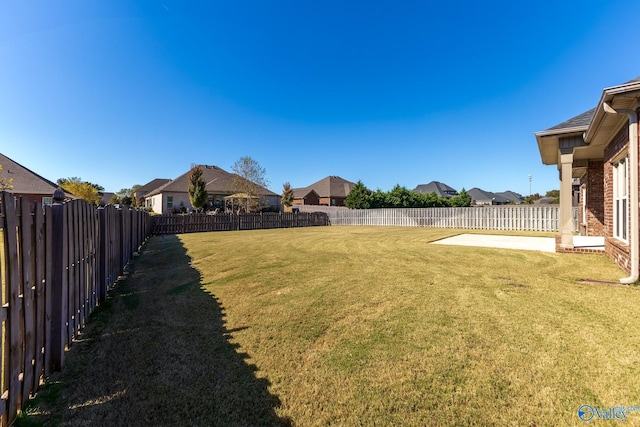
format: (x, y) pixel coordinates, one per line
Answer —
(360, 197)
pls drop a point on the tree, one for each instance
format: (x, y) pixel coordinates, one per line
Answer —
(556, 196)
(287, 194)
(250, 180)
(81, 189)
(5, 183)
(462, 200)
(359, 197)
(197, 191)
(529, 200)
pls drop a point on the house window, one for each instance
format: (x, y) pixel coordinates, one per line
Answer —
(47, 201)
(620, 199)
(169, 202)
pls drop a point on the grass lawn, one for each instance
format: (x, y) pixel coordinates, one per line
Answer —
(351, 326)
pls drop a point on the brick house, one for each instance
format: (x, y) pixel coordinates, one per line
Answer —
(26, 183)
(600, 148)
(330, 191)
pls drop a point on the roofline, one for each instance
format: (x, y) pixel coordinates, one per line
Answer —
(607, 95)
(557, 132)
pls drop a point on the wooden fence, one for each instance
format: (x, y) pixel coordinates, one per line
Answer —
(193, 223)
(508, 218)
(56, 264)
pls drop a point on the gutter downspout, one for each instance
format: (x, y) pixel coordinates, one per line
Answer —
(633, 197)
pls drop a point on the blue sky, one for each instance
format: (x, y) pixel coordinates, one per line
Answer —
(404, 92)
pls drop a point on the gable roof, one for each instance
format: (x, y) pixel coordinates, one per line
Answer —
(150, 186)
(331, 186)
(301, 193)
(217, 181)
(441, 190)
(25, 181)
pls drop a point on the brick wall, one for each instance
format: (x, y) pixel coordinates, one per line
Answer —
(594, 183)
(616, 250)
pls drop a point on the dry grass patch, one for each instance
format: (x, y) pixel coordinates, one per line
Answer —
(360, 326)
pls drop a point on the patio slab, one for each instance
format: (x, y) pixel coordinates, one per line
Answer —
(544, 244)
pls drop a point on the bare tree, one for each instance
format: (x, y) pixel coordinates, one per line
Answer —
(250, 181)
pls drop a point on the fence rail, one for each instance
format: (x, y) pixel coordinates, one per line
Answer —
(508, 218)
(56, 264)
(193, 223)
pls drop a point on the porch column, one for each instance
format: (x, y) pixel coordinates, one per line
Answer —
(566, 195)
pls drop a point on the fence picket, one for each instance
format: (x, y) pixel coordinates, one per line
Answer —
(508, 218)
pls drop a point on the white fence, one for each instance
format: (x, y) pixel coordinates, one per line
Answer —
(510, 217)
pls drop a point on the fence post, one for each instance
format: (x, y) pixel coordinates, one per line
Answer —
(58, 326)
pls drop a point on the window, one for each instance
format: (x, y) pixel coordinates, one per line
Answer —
(620, 199)
(47, 201)
(169, 202)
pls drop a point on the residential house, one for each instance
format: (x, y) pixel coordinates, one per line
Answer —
(441, 190)
(329, 191)
(147, 188)
(600, 147)
(480, 197)
(512, 197)
(173, 196)
(26, 183)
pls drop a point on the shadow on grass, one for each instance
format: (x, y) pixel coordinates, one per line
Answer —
(156, 353)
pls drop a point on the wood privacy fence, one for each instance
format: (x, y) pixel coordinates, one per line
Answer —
(193, 223)
(56, 264)
(508, 218)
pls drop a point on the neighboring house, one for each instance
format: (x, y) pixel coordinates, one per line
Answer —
(512, 197)
(600, 147)
(305, 196)
(173, 196)
(330, 191)
(26, 183)
(480, 197)
(441, 190)
(147, 188)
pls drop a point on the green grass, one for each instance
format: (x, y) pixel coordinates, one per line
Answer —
(355, 326)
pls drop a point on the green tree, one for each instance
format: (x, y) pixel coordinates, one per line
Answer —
(81, 189)
(197, 191)
(250, 180)
(555, 194)
(5, 183)
(529, 200)
(359, 197)
(463, 199)
(287, 194)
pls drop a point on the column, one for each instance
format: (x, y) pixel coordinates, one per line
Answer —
(566, 218)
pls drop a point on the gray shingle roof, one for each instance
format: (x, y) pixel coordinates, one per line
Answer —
(580, 120)
(511, 196)
(25, 181)
(441, 190)
(480, 195)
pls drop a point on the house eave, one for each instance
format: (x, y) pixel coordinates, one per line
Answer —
(549, 142)
(619, 97)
